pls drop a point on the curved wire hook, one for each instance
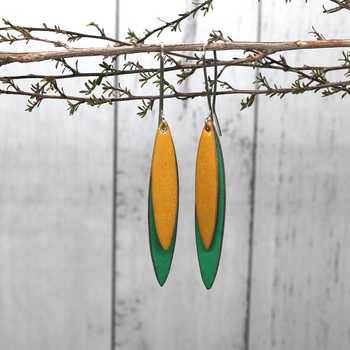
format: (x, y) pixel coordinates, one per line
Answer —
(161, 118)
(211, 106)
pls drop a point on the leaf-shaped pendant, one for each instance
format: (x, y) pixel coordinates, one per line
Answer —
(163, 203)
(210, 203)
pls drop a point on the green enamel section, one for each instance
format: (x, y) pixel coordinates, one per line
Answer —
(161, 258)
(209, 259)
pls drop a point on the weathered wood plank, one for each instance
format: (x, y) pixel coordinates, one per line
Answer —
(183, 314)
(301, 286)
(55, 206)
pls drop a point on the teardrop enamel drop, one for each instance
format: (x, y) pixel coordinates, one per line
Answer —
(209, 258)
(164, 180)
(207, 184)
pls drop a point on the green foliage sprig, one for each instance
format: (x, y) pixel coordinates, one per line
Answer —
(99, 88)
(172, 25)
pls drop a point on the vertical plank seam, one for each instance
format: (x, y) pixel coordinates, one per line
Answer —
(114, 204)
(247, 324)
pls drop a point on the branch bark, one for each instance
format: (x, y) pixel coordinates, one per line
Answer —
(265, 47)
(341, 5)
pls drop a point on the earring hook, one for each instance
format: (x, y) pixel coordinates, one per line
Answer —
(211, 106)
(161, 118)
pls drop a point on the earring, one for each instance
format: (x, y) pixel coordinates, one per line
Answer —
(163, 198)
(210, 189)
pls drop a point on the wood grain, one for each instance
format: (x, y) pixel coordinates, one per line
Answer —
(55, 210)
(301, 295)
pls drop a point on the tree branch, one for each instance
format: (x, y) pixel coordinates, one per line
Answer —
(341, 6)
(256, 55)
(263, 47)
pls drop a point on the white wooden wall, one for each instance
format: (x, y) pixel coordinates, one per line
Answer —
(288, 290)
(55, 204)
(301, 286)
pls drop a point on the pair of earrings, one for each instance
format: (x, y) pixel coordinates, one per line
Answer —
(163, 200)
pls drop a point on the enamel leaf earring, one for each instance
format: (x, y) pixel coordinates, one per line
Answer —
(210, 189)
(163, 198)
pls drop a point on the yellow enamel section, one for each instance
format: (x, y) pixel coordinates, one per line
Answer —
(207, 185)
(164, 186)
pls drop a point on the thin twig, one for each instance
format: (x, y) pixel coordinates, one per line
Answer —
(175, 24)
(240, 62)
(69, 33)
(178, 95)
